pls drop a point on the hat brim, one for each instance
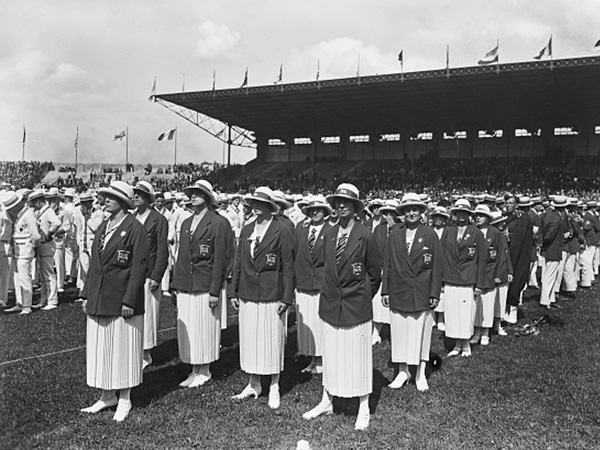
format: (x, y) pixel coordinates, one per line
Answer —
(437, 213)
(372, 206)
(385, 209)
(360, 206)
(148, 194)
(421, 205)
(119, 195)
(481, 213)
(250, 200)
(283, 203)
(306, 209)
(556, 205)
(188, 191)
(460, 208)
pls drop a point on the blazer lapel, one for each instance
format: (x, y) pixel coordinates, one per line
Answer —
(202, 227)
(117, 236)
(354, 240)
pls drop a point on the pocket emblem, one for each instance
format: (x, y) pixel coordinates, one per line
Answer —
(123, 256)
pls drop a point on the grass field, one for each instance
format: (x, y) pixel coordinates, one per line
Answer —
(532, 392)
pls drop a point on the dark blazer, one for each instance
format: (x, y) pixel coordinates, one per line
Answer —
(158, 250)
(348, 288)
(117, 277)
(591, 228)
(411, 279)
(309, 267)
(269, 275)
(503, 264)
(464, 261)
(202, 259)
(552, 233)
(493, 254)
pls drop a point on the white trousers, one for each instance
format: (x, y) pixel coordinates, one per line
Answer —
(586, 260)
(550, 276)
(5, 274)
(59, 264)
(23, 281)
(49, 294)
(569, 272)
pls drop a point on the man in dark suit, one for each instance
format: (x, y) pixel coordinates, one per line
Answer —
(157, 227)
(553, 233)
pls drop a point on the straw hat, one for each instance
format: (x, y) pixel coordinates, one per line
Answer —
(440, 211)
(52, 193)
(262, 194)
(280, 199)
(483, 210)
(9, 199)
(389, 206)
(462, 204)
(559, 201)
(375, 203)
(70, 192)
(347, 191)
(314, 202)
(145, 188)
(411, 199)
(202, 186)
(38, 193)
(86, 197)
(524, 201)
(121, 190)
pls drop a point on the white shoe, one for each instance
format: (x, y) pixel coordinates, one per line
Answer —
(37, 306)
(122, 410)
(199, 380)
(274, 398)
(474, 340)
(49, 307)
(501, 331)
(362, 421)
(100, 405)
(455, 352)
(188, 380)
(422, 385)
(485, 340)
(400, 380)
(146, 362)
(376, 340)
(319, 410)
(441, 326)
(25, 311)
(249, 391)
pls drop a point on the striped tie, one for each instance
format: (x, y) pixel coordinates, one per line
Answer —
(312, 239)
(339, 249)
(101, 243)
(255, 248)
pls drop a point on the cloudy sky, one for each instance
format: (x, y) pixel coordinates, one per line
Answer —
(91, 63)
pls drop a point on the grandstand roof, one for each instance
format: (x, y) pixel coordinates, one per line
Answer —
(531, 95)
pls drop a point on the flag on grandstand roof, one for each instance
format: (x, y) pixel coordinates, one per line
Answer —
(245, 82)
(120, 136)
(547, 50)
(280, 77)
(596, 47)
(491, 56)
(168, 135)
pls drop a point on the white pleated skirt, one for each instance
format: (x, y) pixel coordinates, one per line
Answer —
(348, 360)
(381, 314)
(309, 324)
(198, 329)
(262, 337)
(459, 311)
(411, 336)
(151, 308)
(223, 306)
(484, 308)
(114, 351)
(500, 303)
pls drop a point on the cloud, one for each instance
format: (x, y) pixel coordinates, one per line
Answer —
(216, 41)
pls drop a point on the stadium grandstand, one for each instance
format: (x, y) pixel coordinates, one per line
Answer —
(535, 117)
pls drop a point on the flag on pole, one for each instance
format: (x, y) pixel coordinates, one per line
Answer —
(214, 80)
(168, 135)
(401, 57)
(245, 82)
(24, 135)
(120, 136)
(76, 142)
(447, 57)
(318, 69)
(358, 67)
(547, 50)
(280, 77)
(153, 92)
(491, 56)
(596, 47)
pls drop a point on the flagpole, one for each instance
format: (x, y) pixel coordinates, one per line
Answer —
(24, 139)
(76, 144)
(447, 60)
(126, 149)
(175, 151)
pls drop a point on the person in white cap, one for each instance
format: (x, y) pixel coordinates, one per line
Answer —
(49, 225)
(263, 290)
(198, 276)
(309, 274)
(83, 221)
(8, 199)
(411, 287)
(71, 250)
(157, 228)
(351, 277)
(114, 303)
(553, 232)
(463, 275)
(235, 214)
(53, 199)
(439, 216)
(25, 239)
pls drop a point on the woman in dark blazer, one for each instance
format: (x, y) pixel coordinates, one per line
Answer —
(309, 272)
(263, 289)
(412, 282)
(351, 277)
(198, 278)
(114, 302)
(157, 227)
